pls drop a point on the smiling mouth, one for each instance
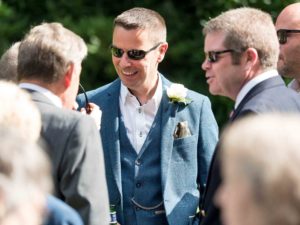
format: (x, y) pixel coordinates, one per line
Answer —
(126, 73)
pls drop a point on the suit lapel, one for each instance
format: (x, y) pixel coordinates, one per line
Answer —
(266, 84)
(109, 131)
(168, 124)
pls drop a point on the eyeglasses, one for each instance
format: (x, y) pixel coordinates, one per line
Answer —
(212, 56)
(134, 54)
(282, 35)
(87, 106)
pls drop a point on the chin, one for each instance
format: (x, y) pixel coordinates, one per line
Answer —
(214, 92)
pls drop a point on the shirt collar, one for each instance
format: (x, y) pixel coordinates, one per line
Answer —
(125, 94)
(294, 84)
(50, 95)
(250, 84)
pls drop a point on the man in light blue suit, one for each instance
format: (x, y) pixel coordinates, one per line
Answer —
(158, 137)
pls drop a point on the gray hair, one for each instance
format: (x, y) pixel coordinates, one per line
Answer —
(47, 50)
(248, 28)
(9, 63)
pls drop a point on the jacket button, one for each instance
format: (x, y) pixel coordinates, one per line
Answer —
(138, 162)
(202, 212)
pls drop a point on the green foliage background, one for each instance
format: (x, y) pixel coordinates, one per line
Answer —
(92, 19)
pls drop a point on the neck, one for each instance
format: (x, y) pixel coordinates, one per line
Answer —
(144, 94)
(54, 88)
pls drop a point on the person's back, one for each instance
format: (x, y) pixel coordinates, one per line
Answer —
(49, 66)
(58, 212)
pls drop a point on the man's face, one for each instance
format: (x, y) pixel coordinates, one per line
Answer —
(72, 90)
(289, 57)
(222, 76)
(137, 75)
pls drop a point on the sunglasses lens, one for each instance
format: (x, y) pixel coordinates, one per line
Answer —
(117, 52)
(136, 54)
(212, 57)
(282, 37)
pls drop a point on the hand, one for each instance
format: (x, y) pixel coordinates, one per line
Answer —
(75, 106)
(95, 112)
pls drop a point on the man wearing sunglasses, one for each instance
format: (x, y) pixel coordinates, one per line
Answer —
(157, 152)
(288, 31)
(241, 59)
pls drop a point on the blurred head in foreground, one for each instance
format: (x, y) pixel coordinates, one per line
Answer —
(25, 175)
(260, 164)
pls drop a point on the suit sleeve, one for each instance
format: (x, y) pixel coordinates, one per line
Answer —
(208, 138)
(83, 182)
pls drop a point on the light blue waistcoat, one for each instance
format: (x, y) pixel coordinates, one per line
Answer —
(141, 178)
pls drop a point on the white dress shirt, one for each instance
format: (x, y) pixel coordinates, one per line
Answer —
(52, 97)
(294, 84)
(138, 118)
(250, 84)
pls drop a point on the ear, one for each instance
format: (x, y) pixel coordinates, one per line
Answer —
(252, 58)
(68, 75)
(162, 51)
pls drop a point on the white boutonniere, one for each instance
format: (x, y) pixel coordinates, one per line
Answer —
(177, 93)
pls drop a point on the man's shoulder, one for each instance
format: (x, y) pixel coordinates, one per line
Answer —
(277, 98)
(192, 95)
(197, 99)
(107, 88)
(196, 95)
(99, 95)
(61, 118)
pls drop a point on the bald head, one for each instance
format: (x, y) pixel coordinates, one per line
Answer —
(288, 21)
(289, 18)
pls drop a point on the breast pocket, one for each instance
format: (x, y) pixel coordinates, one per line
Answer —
(185, 149)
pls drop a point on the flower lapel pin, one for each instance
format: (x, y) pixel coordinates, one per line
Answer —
(177, 93)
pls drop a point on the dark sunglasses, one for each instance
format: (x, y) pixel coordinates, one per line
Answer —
(212, 56)
(87, 106)
(133, 53)
(282, 35)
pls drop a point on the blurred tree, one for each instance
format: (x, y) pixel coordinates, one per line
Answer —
(92, 19)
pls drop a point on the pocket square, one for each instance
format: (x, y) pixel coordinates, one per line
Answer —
(182, 130)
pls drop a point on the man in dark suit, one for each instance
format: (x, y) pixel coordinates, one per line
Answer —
(241, 58)
(49, 66)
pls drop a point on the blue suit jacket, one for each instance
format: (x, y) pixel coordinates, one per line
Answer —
(184, 162)
(270, 95)
(59, 213)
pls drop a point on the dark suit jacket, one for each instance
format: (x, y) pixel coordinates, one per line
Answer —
(76, 152)
(267, 96)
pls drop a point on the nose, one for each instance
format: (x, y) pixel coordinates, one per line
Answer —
(124, 61)
(206, 64)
